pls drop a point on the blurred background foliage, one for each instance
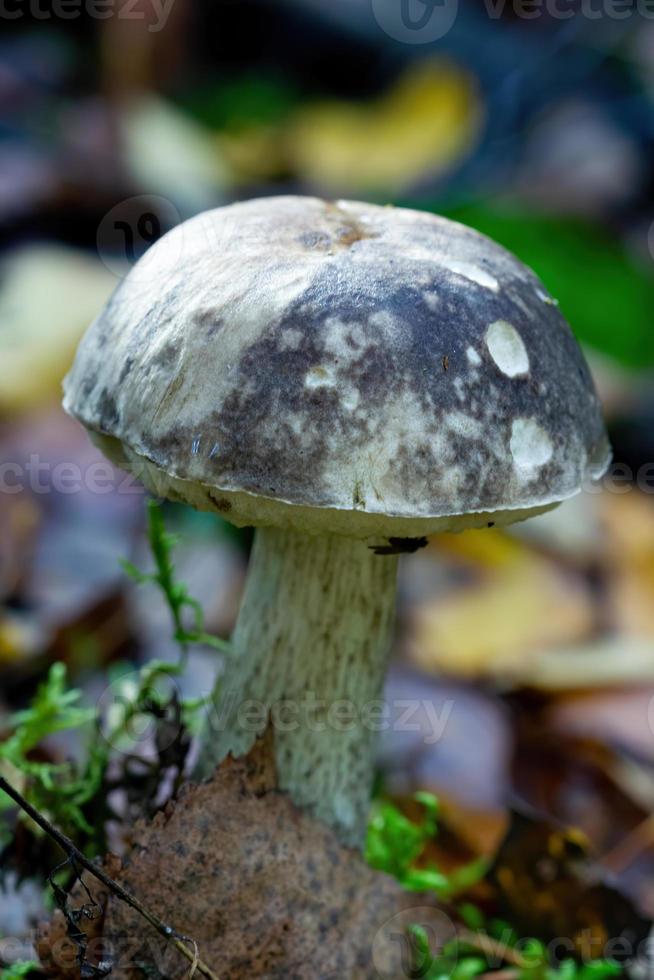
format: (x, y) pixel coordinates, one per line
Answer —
(539, 132)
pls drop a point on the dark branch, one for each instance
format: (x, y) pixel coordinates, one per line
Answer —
(77, 857)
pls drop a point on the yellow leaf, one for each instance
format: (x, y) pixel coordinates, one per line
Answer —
(48, 297)
(628, 523)
(513, 603)
(423, 125)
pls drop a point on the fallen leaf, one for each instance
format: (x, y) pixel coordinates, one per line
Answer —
(506, 603)
(49, 295)
(602, 788)
(548, 885)
(611, 661)
(19, 521)
(423, 125)
(628, 526)
(261, 887)
(169, 153)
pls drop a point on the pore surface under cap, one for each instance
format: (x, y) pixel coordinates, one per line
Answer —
(346, 356)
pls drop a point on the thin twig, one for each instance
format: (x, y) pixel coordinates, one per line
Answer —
(66, 844)
(491, 947)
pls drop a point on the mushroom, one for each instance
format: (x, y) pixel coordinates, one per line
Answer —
(347, 379)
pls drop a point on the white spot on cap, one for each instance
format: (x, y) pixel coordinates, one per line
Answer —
(383, 320)
(463, 425)
(507, 349)
(530, 445)
(472, 272)
(319, 377)
(340, 338)
(432, 300)
(473, 357)
(290, 339)
(350, 399)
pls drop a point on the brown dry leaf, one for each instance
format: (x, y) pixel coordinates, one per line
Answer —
(512, 603)
(578, 781)
(547, 885)
(475, 833)
(20, 518)
(596, 786)
(19, 521)
(263, 889)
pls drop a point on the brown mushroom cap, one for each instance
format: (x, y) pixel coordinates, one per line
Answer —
(340, 367)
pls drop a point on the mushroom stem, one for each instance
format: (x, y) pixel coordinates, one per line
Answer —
(310, 651)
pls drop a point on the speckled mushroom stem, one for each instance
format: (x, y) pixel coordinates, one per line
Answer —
(310, 651)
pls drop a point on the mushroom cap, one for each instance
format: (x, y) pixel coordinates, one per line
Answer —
(343, 367)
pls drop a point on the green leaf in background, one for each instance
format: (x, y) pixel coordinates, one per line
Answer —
(19, 970)
(234, 103)
(607, 298)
